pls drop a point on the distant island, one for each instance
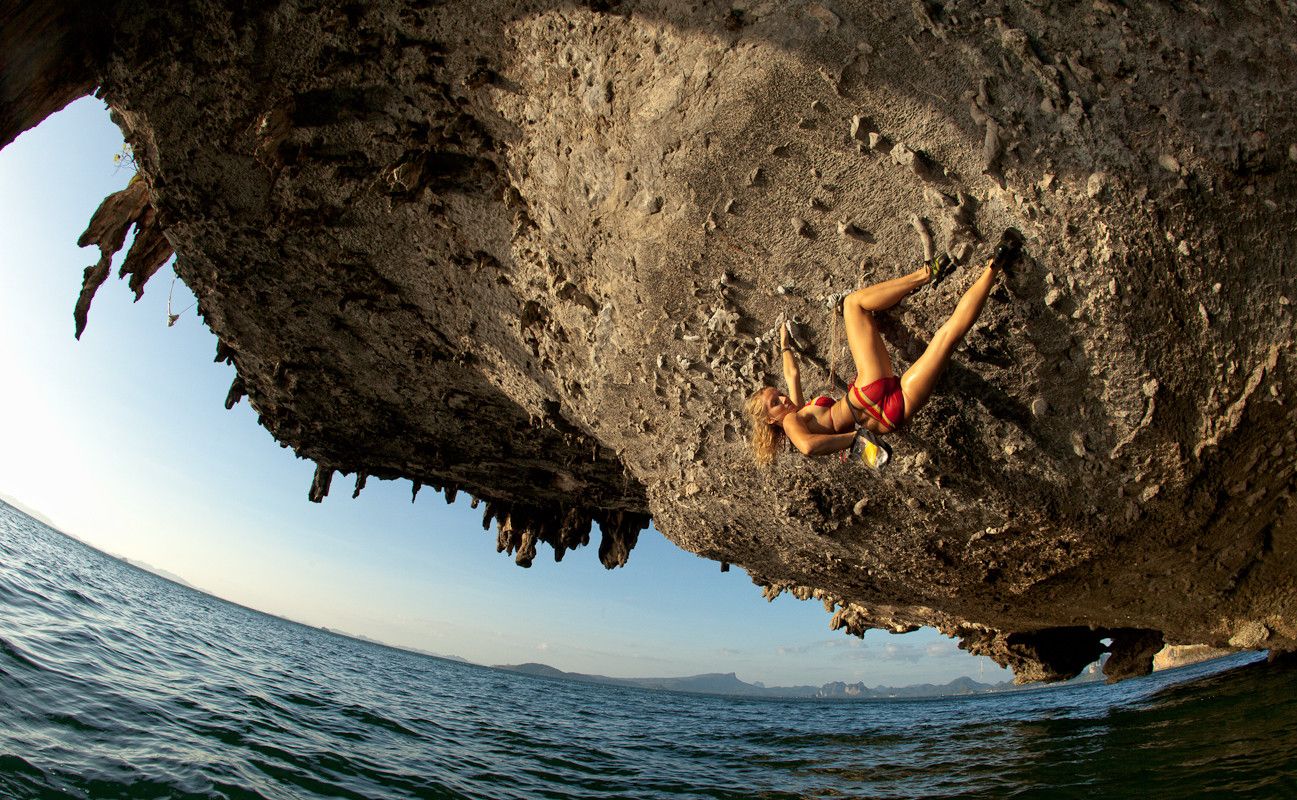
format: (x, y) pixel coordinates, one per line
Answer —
(159, 571)
(405, 648)
(729, 684)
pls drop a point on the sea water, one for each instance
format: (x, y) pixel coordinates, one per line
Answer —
(117, 683)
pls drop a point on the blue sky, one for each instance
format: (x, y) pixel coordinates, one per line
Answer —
(123, 440)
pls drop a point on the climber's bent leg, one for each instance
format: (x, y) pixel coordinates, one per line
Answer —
(882, 296)
(866, 344)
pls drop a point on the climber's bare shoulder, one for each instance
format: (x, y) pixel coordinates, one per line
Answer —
(797, 431)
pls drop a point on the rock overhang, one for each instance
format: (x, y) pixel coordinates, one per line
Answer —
(539, 255)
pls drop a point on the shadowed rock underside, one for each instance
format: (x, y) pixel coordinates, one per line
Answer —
(538, 252)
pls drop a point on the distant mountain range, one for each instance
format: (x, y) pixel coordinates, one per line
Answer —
(728, 683)
(159, 571)
(370, 640)
(13, 502)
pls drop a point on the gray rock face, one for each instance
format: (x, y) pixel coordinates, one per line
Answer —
(539, 251)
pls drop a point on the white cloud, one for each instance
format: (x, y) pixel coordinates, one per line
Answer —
(942, 649)
(842, 647)
(901, 652)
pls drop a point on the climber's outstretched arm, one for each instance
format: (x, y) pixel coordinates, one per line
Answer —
(792, 374)
(815, 444)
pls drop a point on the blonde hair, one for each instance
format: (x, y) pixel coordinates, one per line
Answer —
(766, 436)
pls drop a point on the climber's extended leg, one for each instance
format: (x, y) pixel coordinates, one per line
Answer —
(918, 381)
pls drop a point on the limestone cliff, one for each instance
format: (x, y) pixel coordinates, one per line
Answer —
(537, 251)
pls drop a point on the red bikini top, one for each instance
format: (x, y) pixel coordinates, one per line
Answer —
(821, 401)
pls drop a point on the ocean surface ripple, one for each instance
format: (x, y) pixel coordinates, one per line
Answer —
(117, 683)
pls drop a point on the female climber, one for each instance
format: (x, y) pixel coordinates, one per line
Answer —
(877, 402)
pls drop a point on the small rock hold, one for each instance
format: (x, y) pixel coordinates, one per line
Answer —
(756, 177)
(860, 129)
(875, 141)
(992, 146)
(938, 198)
(907, 157)
(1183, 248)
(818, 105)
(1169, 163)
(1052, 297)
(859, 508)
(1078, 444)
(1096, 183)
(651, 205)
(405, 177)
(800, 227)
(925, 237)
(1039, 407)
(1292, 152)
(850, 231)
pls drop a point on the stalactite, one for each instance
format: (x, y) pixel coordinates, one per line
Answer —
(236, 393)
(320, 484)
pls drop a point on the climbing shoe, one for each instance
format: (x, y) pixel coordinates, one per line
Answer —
(939, 268)
(1008, 251)
(871, 450)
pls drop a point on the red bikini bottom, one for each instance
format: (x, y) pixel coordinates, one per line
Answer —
(882, 400)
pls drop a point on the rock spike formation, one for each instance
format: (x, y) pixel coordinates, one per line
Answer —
(108, 228)
(539, 251)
